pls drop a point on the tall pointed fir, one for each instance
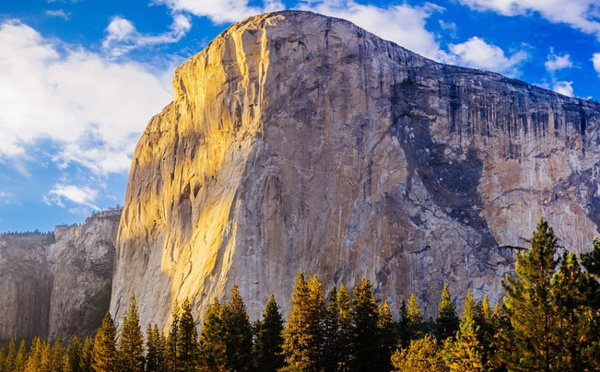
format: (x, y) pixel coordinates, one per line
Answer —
(269, 339)
(21, 357)
(410, 326)
(388, 340)
(130, 349)
(11, 355)
(365, 316)
(446, 323)
(170, 351)
(331, 331)
(87, 355)
(464, 354)
(73, 356)
(239, 335)
(345, 348)
(531, 343)
(304, 331)
(187, 339)
(212, 345)
(154, 349)
(105, 350)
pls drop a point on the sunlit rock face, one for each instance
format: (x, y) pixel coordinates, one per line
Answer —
(301, 142)
(57, 284)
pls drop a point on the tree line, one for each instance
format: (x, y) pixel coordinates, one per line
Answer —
(548, 321)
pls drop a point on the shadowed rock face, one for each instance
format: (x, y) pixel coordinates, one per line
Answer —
(57, 284)
(301, 142)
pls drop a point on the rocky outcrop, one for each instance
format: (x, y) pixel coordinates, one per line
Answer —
(301, 142)
(57, 284)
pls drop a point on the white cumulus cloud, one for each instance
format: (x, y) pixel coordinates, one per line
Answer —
(122, 36)
(556, 62)
(80, 195)
(582, 15)
(563, 87)
(223, 11)
(90, 108)
(477, 53)
(596, 62)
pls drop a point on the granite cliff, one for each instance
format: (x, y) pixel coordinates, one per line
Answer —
(57, 284)
(302, 142)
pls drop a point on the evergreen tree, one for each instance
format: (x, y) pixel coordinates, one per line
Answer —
(47, 358)
(11, 355)
(386, 329)
(187, 339)
(74, 353)
(21, 358)
(422, 355)
(154, 349)
(485, 329)
(34, 361)
(58, 355)
(304, 331)
(345, 348)
(331, 330)
(87, 355)
(212, 346)
(170, 354)
(591, 260)
(577, 328)
(365, 339)
(465, 353)
(447, 322)
(131, 341)
(411, 322)
(2, 360)
(269, 339)
(532, 343)
(105, 350)
(239, 330)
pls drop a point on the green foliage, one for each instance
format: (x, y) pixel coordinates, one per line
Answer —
(105, 350)
(269, 339)
(591, 260)
(464, 354)
(73, 356)
(187, 340)
(367, 348)
(447, 322)
(155, 348)
(87, 355)
(170, 353)
(131, 341)
(422, 355)
(238, 342)
(411, 325)
(212, 345)
(305, 329)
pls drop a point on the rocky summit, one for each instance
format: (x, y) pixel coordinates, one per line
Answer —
(57, 284)
(297, 142)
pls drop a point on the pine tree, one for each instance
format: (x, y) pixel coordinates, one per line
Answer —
(591, 260)
(170, 354)
(304, 331)
(187, 339)
(411, 322)
(365, 317)
(212, 346)
(465, 353)
(105, 350)
(73, 356)
(422, 355)
(34, 361)
(345, 348)
(485, 329)
(269, 339)
(331, 330)
(11, 356)
(577, 328)
(58, 355)
(154, 349)
(386, 329)
(531, 343)
(130, 349)
(446, 323)
(47, 359)
(21, 358)
(87, 355)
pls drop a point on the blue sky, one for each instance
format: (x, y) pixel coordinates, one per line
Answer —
(80, 79)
